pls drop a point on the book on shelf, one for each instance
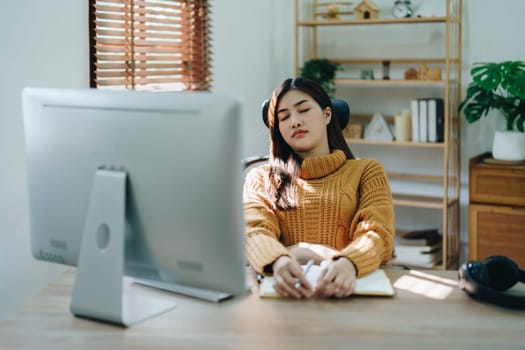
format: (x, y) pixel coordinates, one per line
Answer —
(428, 119)
(417, 256)
(418, 248)
(436, 120)
(422, 237)
(423, 120)
(414, 109)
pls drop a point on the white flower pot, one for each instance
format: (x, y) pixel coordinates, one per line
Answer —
(509, 145)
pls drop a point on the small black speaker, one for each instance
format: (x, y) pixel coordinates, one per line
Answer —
(489, 279)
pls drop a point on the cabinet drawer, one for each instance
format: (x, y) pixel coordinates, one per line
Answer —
(497, 186)
(497, 230)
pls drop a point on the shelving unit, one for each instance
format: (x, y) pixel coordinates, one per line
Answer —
(307, 40)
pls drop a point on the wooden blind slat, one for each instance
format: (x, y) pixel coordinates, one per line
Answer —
(124, 57)
(156, 11)
(162, 43)
(171, 5)
(139, 73)
(114, 41)
(139, 64)
(157, 35)
(117, 16)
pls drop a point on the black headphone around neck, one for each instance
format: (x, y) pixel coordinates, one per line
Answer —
(489, 279)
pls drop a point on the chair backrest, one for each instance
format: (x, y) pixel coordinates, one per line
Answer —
(341, 111)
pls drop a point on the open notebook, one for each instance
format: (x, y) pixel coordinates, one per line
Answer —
(373, 284)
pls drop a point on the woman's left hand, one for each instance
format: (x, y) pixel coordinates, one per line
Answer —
(337, 279)
(305, 251)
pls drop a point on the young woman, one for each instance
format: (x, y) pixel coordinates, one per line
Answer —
(314, 200)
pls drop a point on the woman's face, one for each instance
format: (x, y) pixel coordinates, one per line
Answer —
(302, 124)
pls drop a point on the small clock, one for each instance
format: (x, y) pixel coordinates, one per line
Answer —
(402, 8)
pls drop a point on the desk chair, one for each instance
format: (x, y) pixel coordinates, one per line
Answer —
(341, 111)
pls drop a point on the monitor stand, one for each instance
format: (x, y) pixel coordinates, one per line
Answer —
(100, 291)
(194, 292)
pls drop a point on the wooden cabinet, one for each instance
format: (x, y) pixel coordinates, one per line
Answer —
(496, 209)
(341, 40)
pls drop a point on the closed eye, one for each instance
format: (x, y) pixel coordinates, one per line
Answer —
(304, 110)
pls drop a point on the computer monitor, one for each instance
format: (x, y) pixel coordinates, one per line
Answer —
(142, 184)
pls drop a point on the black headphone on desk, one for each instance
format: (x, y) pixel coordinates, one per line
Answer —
(488, 280)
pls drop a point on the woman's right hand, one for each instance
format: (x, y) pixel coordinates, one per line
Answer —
(305, 251)
(286, 273)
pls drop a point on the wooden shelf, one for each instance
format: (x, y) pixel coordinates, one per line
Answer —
(396, 143)
(311, 42)
(375, 21)
(415, 177)
(392, 60)
(393, 82)
(417, 201)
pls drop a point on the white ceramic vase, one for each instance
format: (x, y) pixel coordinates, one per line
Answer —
(509, 145)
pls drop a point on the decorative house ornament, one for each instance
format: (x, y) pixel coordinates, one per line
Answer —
(378, 129)
(332, 10)
(411, 74)
(426, 73)
(366, 9)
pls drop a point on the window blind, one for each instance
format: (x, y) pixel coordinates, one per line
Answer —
(150, 44)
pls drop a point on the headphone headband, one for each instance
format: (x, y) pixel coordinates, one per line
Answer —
(488, 280)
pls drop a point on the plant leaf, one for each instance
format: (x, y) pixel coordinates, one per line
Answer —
(488, 75)
(515, 82)
(321, 71)
(478, 103)
(520, 116)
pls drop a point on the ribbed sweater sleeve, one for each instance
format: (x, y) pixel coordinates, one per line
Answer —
(262, 225)
(372, 227)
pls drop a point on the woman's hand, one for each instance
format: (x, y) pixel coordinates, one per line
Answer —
(337, 279)
(306, 251)
(286, 272)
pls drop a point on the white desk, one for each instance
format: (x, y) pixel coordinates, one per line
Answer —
(427, 312)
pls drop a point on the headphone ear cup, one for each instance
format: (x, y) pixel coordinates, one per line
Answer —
(502, 272)
(477, 271)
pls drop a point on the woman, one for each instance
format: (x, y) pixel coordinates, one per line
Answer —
(315, 200)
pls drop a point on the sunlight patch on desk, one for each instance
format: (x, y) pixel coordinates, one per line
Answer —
(428, 276)
(430, 286)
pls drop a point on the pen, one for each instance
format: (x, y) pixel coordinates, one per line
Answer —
(305, 271)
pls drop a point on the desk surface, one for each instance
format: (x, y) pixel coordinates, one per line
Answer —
(427, 312)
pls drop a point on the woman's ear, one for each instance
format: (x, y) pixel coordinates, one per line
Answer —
(327, 115)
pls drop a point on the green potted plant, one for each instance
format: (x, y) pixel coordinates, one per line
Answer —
(321, 71)
(499, 86)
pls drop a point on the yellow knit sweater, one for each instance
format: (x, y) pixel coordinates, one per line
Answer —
(343, 204)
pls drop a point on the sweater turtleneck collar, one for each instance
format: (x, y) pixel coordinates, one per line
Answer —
(317, 167)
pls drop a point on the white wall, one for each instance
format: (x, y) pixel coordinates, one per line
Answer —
(253, 52)
(43, 43)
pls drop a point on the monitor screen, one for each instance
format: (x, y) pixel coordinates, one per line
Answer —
(180, 152)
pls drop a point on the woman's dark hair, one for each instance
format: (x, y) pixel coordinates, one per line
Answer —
(285, 163)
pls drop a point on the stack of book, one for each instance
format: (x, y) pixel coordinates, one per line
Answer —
(418, 248)
(428, 120)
